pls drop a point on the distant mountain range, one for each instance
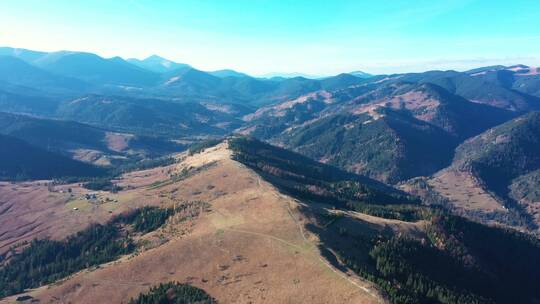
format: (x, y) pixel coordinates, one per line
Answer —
(416, 185)
(277, 75)
(76, 73)
(358, 74)
(392, 128)
(157, 64)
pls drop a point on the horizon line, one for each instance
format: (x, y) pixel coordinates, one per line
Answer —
(273, 74)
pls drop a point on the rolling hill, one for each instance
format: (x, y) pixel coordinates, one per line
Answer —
(248, 221)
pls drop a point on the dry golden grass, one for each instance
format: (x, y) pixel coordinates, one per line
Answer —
(463, 191)
(117, 141)
(251, 246)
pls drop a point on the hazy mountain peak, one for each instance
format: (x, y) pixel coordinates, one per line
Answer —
(290, 75)
(227, 73)
(157, 64)
(154, 57)
(518, 66)
(159, 60)
(360, 74)
(23, 54)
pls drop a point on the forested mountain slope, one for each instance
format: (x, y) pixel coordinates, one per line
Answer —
(389, 132)
(248, 206)
(20, 160)
(85, 142)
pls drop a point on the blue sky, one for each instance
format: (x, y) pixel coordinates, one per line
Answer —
(320, 37)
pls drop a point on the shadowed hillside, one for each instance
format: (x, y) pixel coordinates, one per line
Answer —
(20, 160)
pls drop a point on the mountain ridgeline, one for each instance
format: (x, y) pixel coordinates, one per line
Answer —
(306, 178)
(506, 162)
(416, 187)
(504, 153)
(390, 132)
(412, 253)
(450, 260)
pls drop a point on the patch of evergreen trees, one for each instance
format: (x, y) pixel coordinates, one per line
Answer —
(104, 184)
(146, 219)
(309, 180)
(201, 146)
(173, 293)
(461, 262)
(45, 261)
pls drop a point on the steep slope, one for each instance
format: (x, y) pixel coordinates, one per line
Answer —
(427, 102)
(501, 166)
(525, 190)
(301, 176)
(383, 144)
(389, 132)
(256, 223)
(408, 267)
(503, 152)
(20, 160)
(527, 80)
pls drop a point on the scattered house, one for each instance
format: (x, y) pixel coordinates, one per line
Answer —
(75, 208)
